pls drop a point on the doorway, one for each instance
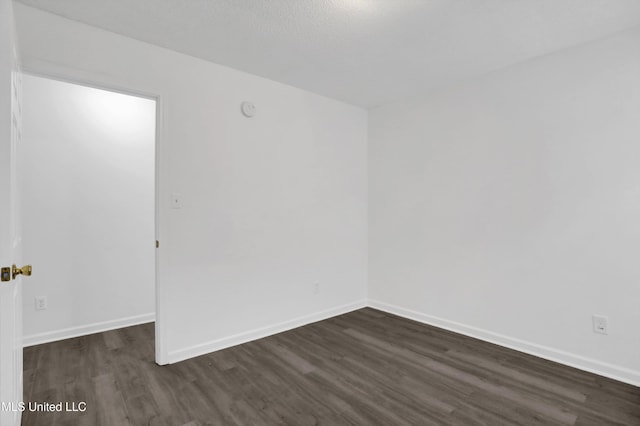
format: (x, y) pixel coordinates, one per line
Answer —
(88, 200)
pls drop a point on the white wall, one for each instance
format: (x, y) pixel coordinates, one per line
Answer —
(271, 204)
(505, 208)
(509, 207)
(88, 195)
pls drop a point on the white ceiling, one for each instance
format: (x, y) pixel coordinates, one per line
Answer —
(365, 52)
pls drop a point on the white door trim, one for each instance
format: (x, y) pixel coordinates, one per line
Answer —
(84, 78)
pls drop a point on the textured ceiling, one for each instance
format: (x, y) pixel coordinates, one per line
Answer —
(365, 52)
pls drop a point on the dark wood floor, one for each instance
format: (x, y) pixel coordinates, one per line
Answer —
(364, 368)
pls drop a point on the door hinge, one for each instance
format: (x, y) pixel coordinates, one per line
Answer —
(157, 243)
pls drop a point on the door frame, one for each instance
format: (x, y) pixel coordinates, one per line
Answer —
(11, 386)
(83, 78)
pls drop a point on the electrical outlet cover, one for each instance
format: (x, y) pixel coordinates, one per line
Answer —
(41, 303)
(600, 324)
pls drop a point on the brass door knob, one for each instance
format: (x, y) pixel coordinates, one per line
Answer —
(25, 270)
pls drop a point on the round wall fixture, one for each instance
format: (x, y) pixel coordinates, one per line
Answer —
(248, 109)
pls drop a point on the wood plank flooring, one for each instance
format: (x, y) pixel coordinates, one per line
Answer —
(362, 368)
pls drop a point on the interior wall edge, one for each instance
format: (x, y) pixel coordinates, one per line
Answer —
(590, 365)
(98, 327)
(259, 333)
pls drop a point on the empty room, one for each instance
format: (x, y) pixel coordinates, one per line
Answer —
(320, 212)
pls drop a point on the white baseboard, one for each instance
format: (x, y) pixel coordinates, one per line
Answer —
(591, 365)
(611, 371)
(259, 333)
(83, 330)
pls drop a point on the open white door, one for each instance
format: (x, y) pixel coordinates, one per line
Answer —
(10, 240)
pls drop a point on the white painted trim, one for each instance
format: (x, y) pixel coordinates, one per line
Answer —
(591, 365)
(161, 351)
(259, 333)
(83, 330)
(79, 77)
